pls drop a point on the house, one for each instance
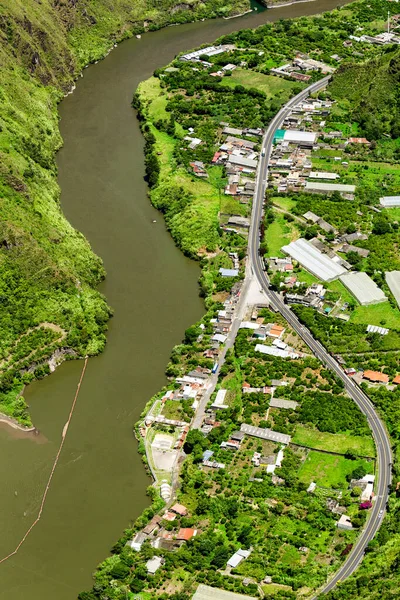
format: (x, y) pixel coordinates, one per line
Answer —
(350, 371)
(228, 272)
(169, 516)
(376, 377)
(355, 140)
(137, 542)
(199, 169)
(186, 533)
(238, 557)
(238, 436)
(276, 331)
(153, 525)
(230, 444)
(396, 380)
(179, 509)
(239, 221)
(219, 401)
(154, 564)
(207, 454)
(344, 523)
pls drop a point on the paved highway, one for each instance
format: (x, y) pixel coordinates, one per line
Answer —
(378, 429)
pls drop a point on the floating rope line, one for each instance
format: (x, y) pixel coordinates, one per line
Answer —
(64, 434)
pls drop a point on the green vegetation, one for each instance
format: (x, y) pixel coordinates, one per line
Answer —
(328, 470)
(338, 442)
(292, 532)
(49, 273)
(274, 87)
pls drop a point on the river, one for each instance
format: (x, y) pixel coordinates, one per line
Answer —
(99, 485)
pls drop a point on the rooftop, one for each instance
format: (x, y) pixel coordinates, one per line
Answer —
(376, 376)
(179, 509)
(313, 260)
(330, 187)
(389, 201)
(363, 288)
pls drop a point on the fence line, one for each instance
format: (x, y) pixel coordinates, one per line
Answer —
(63, 436)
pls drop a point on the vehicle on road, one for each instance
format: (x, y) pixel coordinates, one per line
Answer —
(215, 368)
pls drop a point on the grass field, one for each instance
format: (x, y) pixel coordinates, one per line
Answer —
(328, 470)
(285, 203)
(338, 442)
(374, 314)
(279, 233)
(202, 213)
(273, 86)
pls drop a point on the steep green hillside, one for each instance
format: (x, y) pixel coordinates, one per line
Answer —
(370, 94)
(48, 272)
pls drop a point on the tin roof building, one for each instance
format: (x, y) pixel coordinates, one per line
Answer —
(313, 260)
(363, 288)
(393, 281)
(389, 201)
(327, 188)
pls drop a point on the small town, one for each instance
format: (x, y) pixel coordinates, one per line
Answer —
(238, 180)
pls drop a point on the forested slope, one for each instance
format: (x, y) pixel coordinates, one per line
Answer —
(371, 93)
(48, 272)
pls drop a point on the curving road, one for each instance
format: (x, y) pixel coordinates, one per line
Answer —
(382, 441)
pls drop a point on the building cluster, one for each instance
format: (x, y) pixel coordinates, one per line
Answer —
(200, 56)
(290, 165)
(300, 67)
(313, 296)
(366, 487)
(381, 39)
(159, 537)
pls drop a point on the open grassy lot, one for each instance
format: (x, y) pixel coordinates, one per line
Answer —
(328, 470)
(157, 98)
(271, 85)
(279, 233)
(285, 203)
(376, 314)
(338, 442)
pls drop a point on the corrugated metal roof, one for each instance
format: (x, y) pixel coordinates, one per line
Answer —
(330, 187)
(388, 201)
(265, 434)
(393, 281)
(363, 288)
(313, 260)
(296, 136)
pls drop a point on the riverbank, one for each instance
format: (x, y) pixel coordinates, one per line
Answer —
(15, 424)
(283, 4)
(178, 181)
(64, 289)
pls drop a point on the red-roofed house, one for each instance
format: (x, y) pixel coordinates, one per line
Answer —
(396, 380)
(186, 533)
(354, 140)
(376, 377)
